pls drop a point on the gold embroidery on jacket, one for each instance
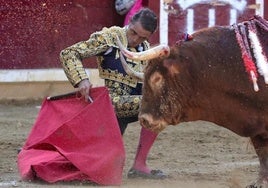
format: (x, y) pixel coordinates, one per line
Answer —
(120, 86)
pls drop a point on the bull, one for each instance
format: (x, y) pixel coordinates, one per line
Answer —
(219, 76)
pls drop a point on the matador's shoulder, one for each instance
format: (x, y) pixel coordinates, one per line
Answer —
(110, 34)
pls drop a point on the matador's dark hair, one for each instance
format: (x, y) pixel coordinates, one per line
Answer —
(147, 18)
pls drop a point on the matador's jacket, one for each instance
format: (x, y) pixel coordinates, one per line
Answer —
(125, 90)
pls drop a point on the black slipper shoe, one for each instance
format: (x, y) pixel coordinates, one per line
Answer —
(155, 174)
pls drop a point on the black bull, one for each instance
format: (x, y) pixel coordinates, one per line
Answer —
(205, 79)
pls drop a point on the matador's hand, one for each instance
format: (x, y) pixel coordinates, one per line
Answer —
(84, 88)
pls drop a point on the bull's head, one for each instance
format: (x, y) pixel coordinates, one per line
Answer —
(159, 106)
(161, 103)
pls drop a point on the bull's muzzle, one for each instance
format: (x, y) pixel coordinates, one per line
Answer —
(147, 122)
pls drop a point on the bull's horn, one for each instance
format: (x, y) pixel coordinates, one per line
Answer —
(157, 51)
(129, 70)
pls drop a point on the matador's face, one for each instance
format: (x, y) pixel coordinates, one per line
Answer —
(136, 34)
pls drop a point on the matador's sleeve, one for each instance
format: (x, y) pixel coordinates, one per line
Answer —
(71, 57)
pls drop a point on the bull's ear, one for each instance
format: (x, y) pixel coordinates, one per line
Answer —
(156, 81)
(173, 68)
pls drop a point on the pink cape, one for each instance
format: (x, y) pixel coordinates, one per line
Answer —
(75, 140)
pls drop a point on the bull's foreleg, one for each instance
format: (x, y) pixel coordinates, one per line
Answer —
(260, 144)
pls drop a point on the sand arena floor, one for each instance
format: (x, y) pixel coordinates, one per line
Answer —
(195, 155)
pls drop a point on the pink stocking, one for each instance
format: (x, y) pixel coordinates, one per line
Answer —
(147, 139)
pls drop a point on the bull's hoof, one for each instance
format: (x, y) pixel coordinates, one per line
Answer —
(253, 186)
(258, 184)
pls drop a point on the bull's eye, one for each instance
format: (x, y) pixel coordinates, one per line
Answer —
(156, 81)
(172, 67)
